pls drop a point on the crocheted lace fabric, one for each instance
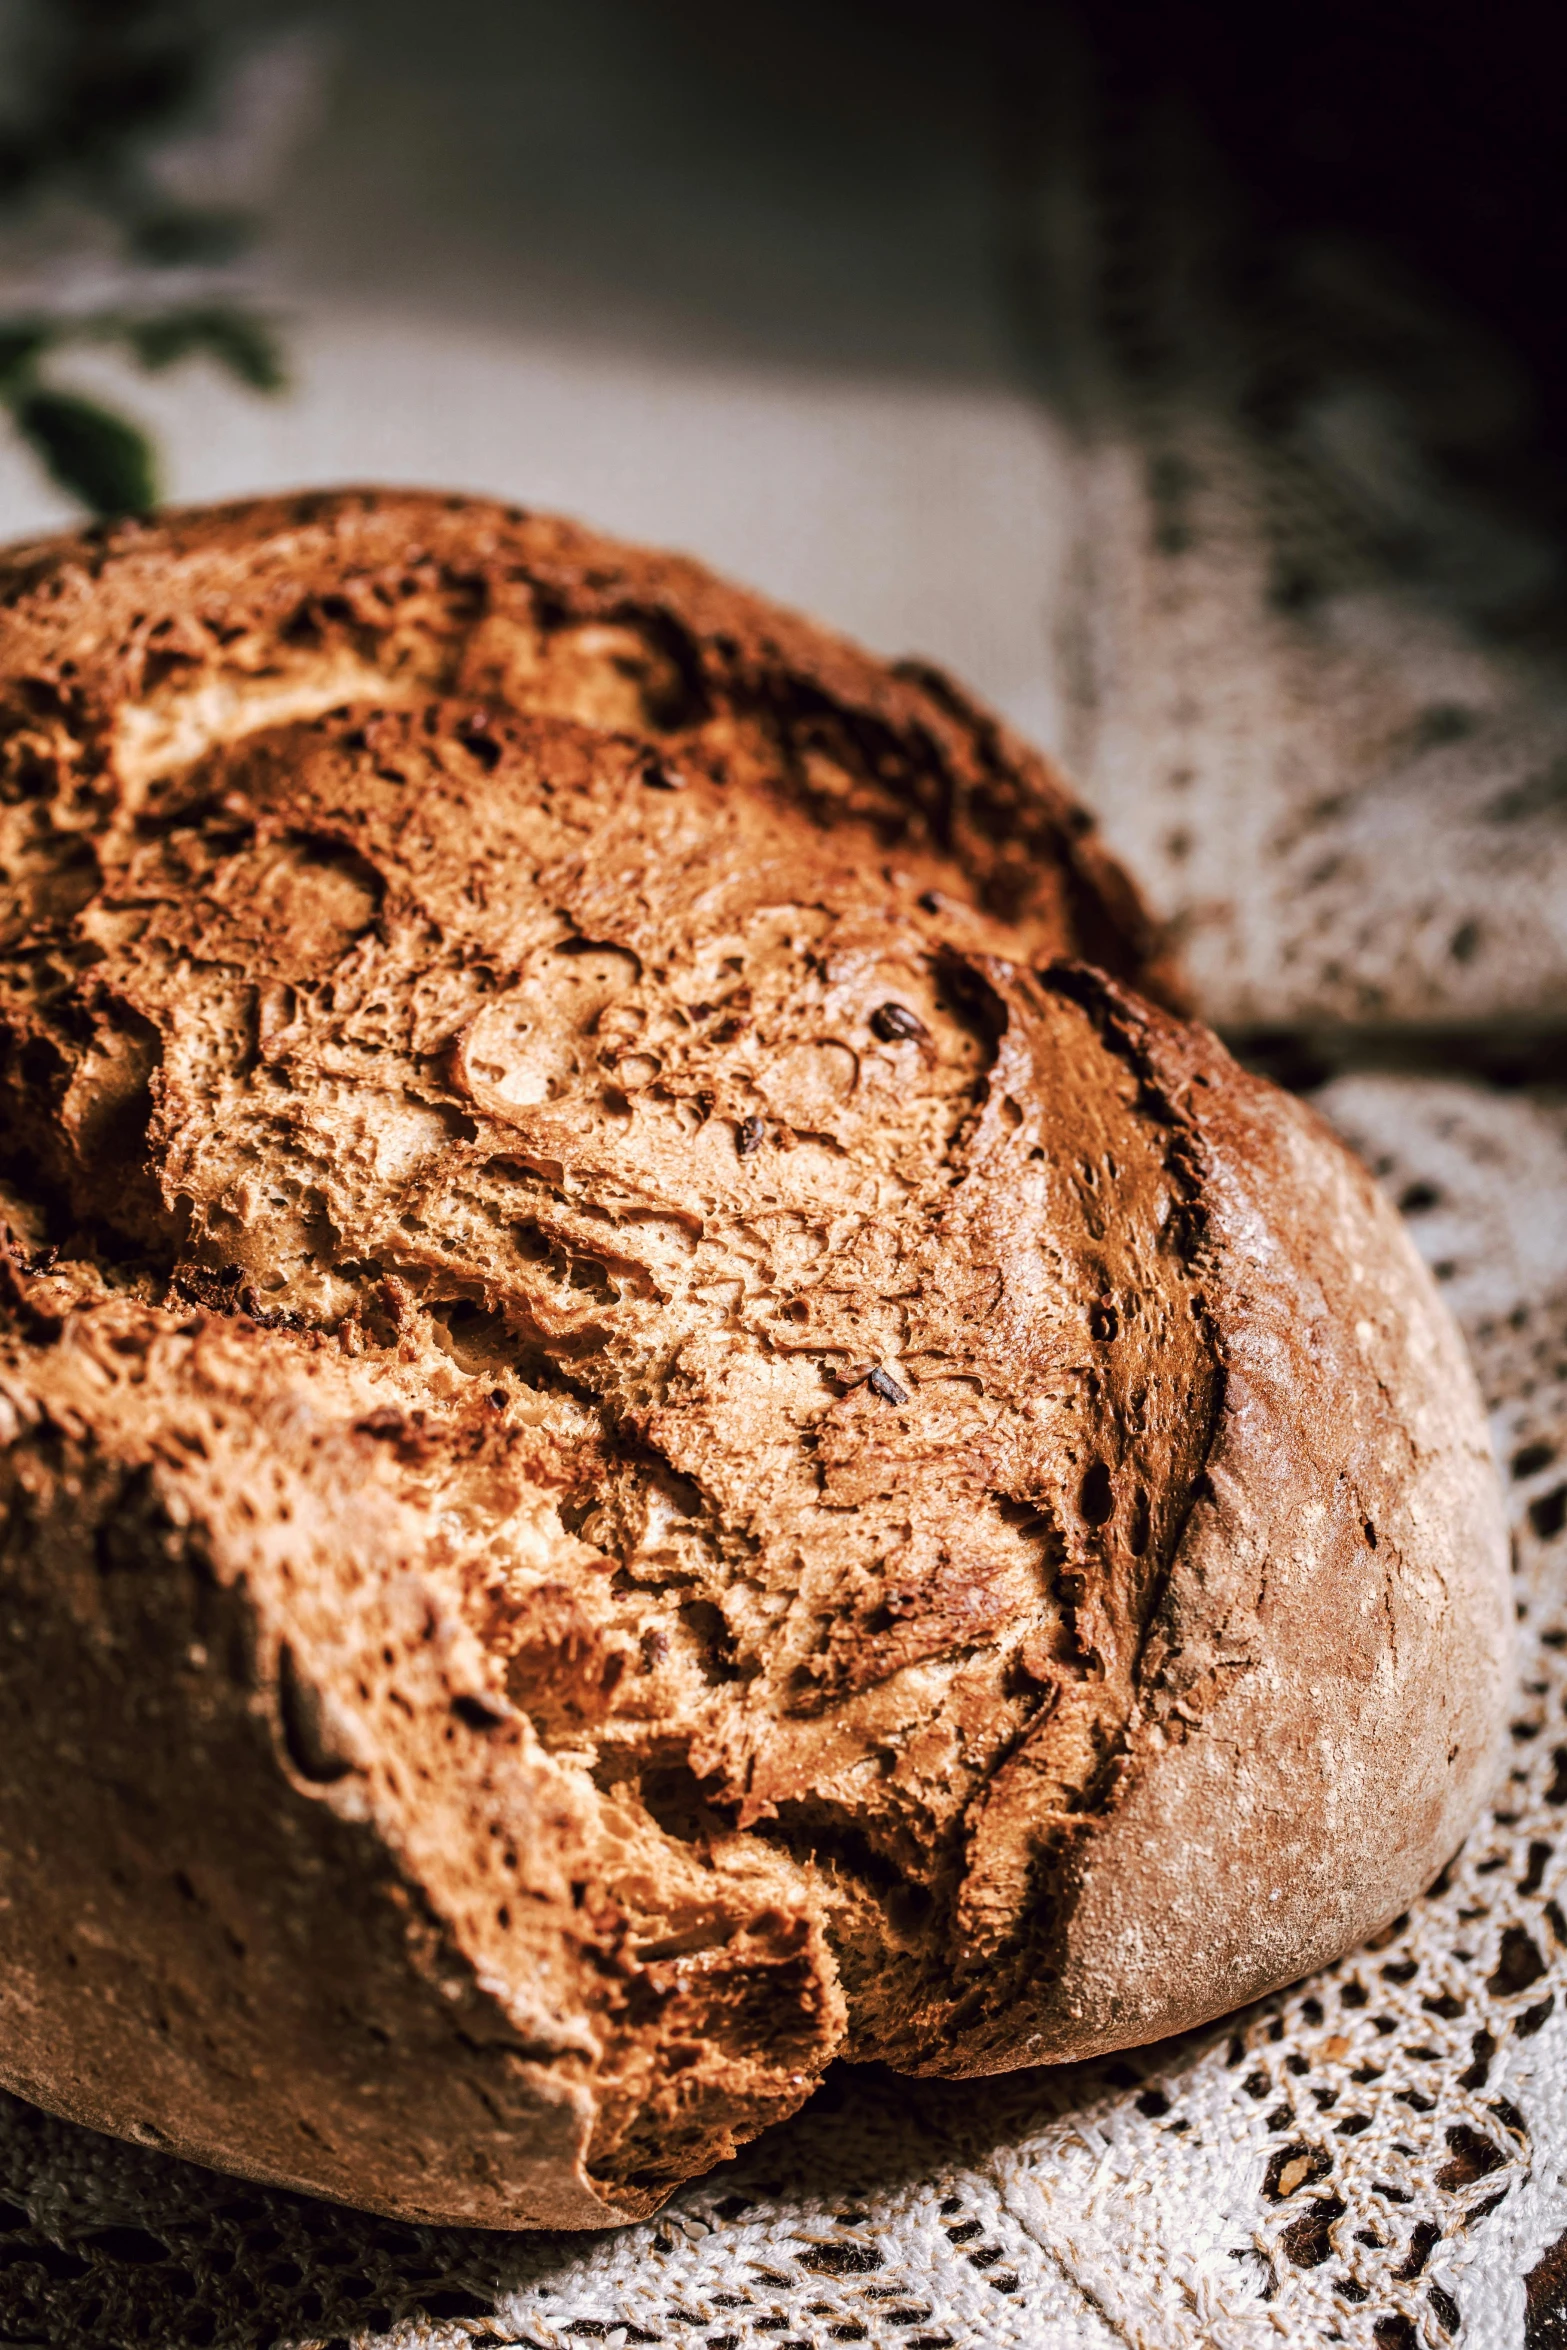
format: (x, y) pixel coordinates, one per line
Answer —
(1309, 650)
(1298, 696)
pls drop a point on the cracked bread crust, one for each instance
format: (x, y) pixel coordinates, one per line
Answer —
(655, 1432)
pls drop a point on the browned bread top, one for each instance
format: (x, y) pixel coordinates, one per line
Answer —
(127, 651)
(669, 1437)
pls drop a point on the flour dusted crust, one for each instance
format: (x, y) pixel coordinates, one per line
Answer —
(656, 1431)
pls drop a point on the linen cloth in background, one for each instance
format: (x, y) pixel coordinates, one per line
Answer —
(1188, 508)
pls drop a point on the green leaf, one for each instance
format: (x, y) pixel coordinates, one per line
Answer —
(246, 346)
(22, 343)
(92, 453)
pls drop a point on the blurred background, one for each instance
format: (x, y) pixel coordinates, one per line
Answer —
(1190, 381)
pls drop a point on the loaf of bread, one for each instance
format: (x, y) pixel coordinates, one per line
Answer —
(658, 1426)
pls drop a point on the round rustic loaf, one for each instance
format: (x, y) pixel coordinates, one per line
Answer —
(658, 1429)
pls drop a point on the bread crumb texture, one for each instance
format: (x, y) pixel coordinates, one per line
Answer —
(656, 1432)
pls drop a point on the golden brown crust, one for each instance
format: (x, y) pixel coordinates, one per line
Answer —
(679, 1414)
(1320, 1689)
(147, 642)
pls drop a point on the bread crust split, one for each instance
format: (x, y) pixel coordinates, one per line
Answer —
(658, 1427)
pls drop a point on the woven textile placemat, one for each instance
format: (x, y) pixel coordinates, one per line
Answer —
(1376, 2157)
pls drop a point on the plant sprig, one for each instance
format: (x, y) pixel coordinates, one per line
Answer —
(92, 453)
(113, 77)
